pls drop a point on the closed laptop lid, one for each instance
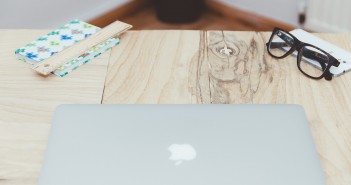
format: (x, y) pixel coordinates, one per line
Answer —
(181, 145)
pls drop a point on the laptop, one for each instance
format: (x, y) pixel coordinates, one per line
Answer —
(181, 145)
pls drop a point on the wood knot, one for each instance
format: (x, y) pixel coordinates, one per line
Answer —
(226, 51)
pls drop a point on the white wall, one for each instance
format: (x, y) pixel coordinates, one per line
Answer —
(285, 11)
(50, 14)
(329, 16)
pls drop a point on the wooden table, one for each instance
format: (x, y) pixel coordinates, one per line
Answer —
(175, 67)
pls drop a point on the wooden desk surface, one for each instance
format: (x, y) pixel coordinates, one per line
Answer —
(169, 67)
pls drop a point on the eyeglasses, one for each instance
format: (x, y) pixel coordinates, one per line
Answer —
(311, 60)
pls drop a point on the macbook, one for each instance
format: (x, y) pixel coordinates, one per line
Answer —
(181, 145)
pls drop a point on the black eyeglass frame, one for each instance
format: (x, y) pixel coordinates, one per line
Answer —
(298, 46)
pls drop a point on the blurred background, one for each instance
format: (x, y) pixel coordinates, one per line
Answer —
(239, 15)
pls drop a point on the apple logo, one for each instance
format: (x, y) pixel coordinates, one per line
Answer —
(181, 152)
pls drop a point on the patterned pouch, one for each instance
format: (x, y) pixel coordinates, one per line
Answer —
(61, 38)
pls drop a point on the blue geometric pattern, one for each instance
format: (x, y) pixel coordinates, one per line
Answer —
(57, 40)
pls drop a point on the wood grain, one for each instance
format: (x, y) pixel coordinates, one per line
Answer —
(234, 67)
(28, 100)
(233, 76)
(21, 152)
(169, 67)
(152, 67)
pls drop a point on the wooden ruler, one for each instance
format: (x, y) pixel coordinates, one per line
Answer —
(51, 64)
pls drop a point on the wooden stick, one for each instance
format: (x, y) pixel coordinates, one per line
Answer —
(54, 62)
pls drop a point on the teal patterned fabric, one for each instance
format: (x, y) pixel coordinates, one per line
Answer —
(61, 38)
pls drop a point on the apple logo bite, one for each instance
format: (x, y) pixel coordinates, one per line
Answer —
(181, 152)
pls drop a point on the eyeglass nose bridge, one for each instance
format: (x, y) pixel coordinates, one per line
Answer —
(299, 46)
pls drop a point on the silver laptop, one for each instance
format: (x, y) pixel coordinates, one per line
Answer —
(181, 145)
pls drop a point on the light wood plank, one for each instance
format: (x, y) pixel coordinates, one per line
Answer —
(28, 100)
(152, 67)
(21, 152)
(27, 97)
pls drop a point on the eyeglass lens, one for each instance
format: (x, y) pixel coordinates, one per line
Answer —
(313, 61)
(280, 44)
